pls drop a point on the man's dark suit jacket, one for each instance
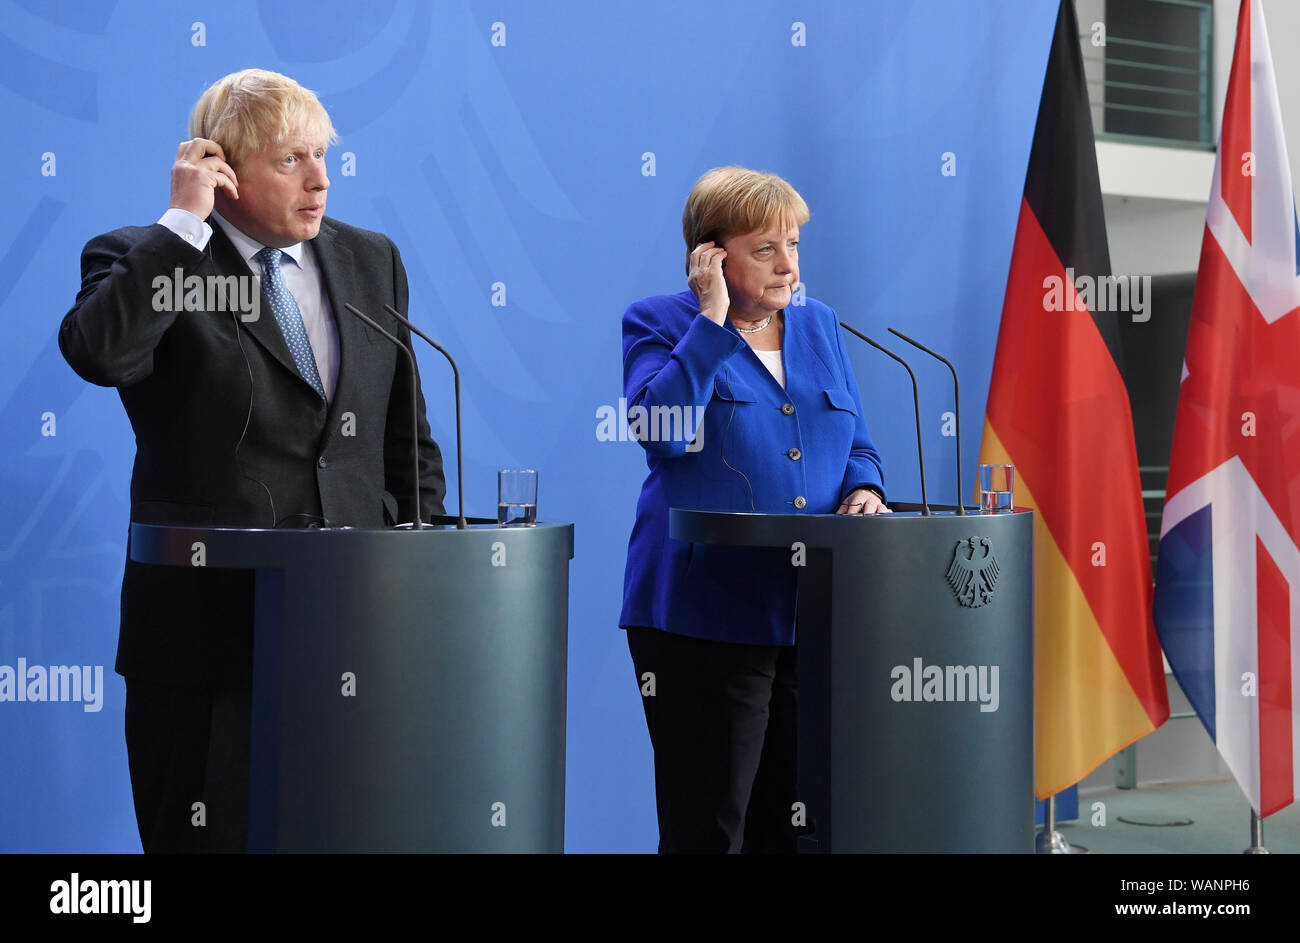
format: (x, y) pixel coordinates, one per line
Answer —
(228, 433)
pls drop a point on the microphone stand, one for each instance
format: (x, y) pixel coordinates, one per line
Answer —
(956, 395)
(415, 426)
(460, 469)
(916, 403)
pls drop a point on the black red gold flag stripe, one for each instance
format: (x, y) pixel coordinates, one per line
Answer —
(1059, 411)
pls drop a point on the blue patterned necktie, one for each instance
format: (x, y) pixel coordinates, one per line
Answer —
(287, 315)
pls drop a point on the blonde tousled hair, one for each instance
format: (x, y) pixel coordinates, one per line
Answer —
(247, 111)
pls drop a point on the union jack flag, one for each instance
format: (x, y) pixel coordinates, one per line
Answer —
(1227, 600)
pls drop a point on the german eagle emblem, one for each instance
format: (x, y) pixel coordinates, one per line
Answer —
(974, 571)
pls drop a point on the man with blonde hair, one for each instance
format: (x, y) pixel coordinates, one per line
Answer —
(222, 326)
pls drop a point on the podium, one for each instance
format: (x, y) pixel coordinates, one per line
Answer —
(408, 686)
(916, 691)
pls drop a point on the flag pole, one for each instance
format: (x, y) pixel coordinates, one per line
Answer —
(1256, 836)
(1049, 840)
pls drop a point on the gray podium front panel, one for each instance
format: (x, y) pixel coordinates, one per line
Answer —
(409, 686)
(887, 762)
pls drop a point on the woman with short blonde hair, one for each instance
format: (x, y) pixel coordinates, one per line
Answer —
(783, 430)
(733, 200)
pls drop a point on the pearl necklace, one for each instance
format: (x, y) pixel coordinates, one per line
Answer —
(755, 330)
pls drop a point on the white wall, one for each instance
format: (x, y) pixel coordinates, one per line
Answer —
(1155, 196)
(1283, 19)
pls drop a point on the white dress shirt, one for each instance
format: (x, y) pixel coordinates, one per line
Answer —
(302, 277)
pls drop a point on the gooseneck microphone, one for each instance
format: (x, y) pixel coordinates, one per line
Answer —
(415, 413)
(956, 397)
(916, 403)
(460, 468)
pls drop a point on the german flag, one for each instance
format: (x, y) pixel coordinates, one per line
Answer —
(1058, 410)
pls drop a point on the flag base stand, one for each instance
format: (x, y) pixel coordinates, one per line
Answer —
(1052, 842)
(1256, 836)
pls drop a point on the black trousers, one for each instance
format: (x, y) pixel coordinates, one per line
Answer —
(723, 720)
(188, 746)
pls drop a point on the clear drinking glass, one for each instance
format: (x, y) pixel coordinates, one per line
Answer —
(997, 488)
(516, 497)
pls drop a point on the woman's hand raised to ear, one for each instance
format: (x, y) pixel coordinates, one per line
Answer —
(708, 283)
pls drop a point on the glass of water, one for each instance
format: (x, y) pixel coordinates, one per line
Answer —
(997, 487)
(516, 497)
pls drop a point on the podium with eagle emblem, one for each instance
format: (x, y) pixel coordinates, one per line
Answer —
(916, 687)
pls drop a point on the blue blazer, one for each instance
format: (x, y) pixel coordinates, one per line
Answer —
(797, 450)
